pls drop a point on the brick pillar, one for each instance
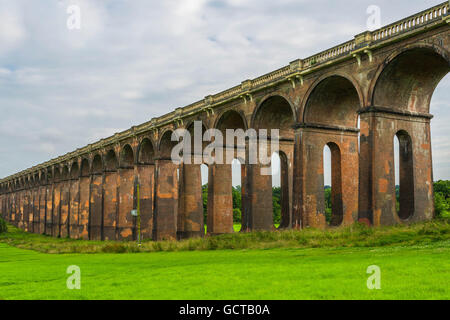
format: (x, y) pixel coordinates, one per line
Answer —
(110, 202)
(343, 144)
(42, 207)
(166, 200)
(146, 182)
(56, 208)
(245, 212)
(49, 209)
(64, 219)
(126, 221)
(365, 169)
(191, 216)
(74, 206)
(260, 213)
(20, 209)
(36, 216)
(220, 200)
(378, 128)
(84, 216)
(96, 207)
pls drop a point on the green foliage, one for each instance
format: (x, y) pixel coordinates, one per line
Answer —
(205, 202)
(442, 198)
(237, 203)
(276, 204)
(237, 215)
(3, 226)
(328, 204)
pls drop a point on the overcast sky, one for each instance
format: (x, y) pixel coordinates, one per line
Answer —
(61, 89)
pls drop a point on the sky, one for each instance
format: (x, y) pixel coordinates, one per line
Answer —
(61, 88)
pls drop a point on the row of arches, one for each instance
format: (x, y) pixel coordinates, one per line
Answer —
(329, 116)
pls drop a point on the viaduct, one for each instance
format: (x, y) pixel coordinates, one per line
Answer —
(382, 79)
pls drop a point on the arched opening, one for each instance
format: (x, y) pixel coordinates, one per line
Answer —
(127, 157)
(74, 171)
(97, 166)
(277, 113)
(145, 171)
(234, 148)
(84, 172)
(409, 80)
(404, 167)
(236, 183)
(406, 83)
(334, 211)
(332, 123)
(56, 174)
(334, 101)
(146, 153)
(440, 131)
(65, 173)
(111, 163)
(327, 181)
(166, 145)
(204, 171)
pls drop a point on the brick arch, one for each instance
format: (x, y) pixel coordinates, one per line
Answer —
(84, 167)
(330, 90)
(127, 158)
(97, 164)
(146, 151)
(74, 170)
(165, 144)
(408, 77)
(235, 112)
(56, 173)
(65, 172)
(110, 160)
(275, 111)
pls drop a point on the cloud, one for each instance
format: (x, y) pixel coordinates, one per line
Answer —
(12, 31)
(134, 60)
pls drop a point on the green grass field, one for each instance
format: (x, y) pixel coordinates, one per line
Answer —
(410, 269)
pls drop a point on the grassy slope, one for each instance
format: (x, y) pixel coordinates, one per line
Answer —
(414, 262)
(419, 272)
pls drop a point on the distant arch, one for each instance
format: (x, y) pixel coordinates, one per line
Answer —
(74, 170)
(97, 165)
(166, 144)
(146, 152)
(111, 162)
(84, 171)
(127, 157)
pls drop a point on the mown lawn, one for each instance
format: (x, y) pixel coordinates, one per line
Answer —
(416, 272)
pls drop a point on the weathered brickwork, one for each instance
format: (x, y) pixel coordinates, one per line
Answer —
(354, 98)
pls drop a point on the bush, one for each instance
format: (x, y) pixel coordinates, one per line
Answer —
(237, 215)
(3, 226)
